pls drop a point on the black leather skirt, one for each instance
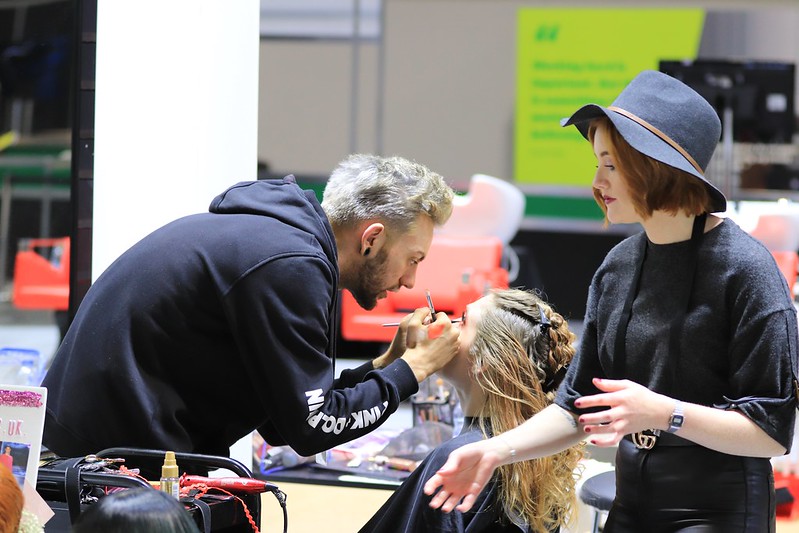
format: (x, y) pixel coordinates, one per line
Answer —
(690, 488)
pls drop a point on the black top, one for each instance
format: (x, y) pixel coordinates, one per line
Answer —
(212, 326)
(408, 509)
(738, 342)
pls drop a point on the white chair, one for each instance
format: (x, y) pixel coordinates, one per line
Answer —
(775, 224)
(490, 207)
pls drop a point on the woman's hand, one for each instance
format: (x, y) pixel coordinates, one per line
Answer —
(462, 477)
(632, 408)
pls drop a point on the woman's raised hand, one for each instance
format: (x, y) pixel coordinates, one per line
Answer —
(462, 477)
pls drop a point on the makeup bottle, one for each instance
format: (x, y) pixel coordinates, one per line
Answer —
(170, 479)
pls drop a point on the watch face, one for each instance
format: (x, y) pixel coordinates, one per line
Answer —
(677, 420)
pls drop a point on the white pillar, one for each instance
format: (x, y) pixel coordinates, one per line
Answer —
(176, 109)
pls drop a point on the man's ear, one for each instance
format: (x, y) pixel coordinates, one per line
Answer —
(373, 238)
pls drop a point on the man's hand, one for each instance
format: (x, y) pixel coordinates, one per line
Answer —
(429, 347)
(409, 330)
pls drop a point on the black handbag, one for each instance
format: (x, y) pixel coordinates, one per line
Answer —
(69, 485)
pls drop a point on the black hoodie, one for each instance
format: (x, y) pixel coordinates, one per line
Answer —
(212, 326)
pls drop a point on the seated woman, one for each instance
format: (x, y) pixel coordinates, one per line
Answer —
(139, 510)
(514, 351)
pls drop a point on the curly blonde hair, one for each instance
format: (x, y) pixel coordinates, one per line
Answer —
(521, 350)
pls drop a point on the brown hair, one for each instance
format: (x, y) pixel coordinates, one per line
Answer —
(11, 501)
(653, 186)
(517, 357)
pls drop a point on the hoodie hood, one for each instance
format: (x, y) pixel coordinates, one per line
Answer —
(280, 199)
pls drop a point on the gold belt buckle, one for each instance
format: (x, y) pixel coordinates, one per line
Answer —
(646, 439)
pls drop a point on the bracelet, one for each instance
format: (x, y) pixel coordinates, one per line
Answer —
(511, 449)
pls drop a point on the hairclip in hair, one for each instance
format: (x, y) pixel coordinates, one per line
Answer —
(553, 383)
(543, 321)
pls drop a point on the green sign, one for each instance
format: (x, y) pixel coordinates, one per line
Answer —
(571, 57)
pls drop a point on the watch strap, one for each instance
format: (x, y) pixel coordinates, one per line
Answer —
(677, 418)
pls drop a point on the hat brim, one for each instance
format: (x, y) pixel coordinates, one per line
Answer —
(646, 142)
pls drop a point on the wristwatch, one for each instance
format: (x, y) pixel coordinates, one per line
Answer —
(677, 418)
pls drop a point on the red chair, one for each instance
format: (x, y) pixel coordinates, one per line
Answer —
(456, 270)
(786, 485)
(41, 274)
(788, 263)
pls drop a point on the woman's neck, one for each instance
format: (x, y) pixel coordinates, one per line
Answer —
(666, 228)
(471, 397)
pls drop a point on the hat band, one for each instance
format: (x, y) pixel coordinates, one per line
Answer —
(660, 134)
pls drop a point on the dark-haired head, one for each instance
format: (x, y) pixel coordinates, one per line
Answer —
(139, 510)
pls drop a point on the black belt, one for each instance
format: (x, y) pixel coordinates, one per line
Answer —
(661, 438)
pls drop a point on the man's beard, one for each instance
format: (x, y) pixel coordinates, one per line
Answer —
(368, 284)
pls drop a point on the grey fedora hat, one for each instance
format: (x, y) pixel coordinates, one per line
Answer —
(663, 118)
